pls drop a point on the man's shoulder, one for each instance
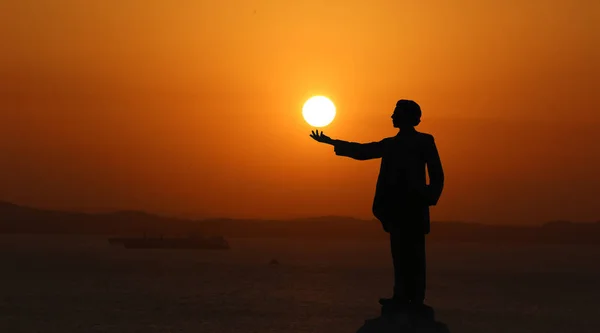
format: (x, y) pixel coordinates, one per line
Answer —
(425, 136)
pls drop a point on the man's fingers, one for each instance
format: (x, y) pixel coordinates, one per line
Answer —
(321, 137)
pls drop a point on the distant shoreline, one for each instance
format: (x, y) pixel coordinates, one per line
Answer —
(16, 219)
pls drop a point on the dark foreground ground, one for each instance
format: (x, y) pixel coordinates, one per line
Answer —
(82, 284)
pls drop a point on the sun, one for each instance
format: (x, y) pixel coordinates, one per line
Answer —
(318, 111)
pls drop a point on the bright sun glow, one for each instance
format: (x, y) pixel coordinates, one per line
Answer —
(318, 111)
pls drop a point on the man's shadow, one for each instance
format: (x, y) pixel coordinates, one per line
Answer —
(388, 323)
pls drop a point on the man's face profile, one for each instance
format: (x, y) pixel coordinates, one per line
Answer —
(399, 117)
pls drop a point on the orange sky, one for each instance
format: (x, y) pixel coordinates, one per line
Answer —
(194, 107)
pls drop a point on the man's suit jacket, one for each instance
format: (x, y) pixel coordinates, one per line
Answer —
(402, 196)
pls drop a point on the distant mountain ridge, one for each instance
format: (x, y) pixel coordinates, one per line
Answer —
(26, 220)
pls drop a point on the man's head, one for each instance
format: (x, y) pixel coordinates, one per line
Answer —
(406, 114)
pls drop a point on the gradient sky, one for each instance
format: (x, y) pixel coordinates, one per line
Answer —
(194, 107)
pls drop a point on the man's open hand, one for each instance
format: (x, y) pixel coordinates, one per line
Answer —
(321, 137)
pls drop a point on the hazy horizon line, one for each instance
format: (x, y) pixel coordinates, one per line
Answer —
(183, 216)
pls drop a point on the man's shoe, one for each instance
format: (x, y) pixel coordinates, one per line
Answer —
(395, 303)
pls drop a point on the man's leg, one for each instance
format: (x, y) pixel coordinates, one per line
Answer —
(418, 270)
(401, 266)
(418, 279)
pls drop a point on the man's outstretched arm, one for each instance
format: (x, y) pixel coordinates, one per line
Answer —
(436, 173)
(357, 151)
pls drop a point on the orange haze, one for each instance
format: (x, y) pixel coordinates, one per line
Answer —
(194, 107)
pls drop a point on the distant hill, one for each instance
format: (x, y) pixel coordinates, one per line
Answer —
(26, 220)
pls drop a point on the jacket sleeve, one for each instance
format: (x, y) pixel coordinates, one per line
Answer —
(359, 151)
(435, 172)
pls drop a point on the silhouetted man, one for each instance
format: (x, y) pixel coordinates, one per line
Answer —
(402, 196)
